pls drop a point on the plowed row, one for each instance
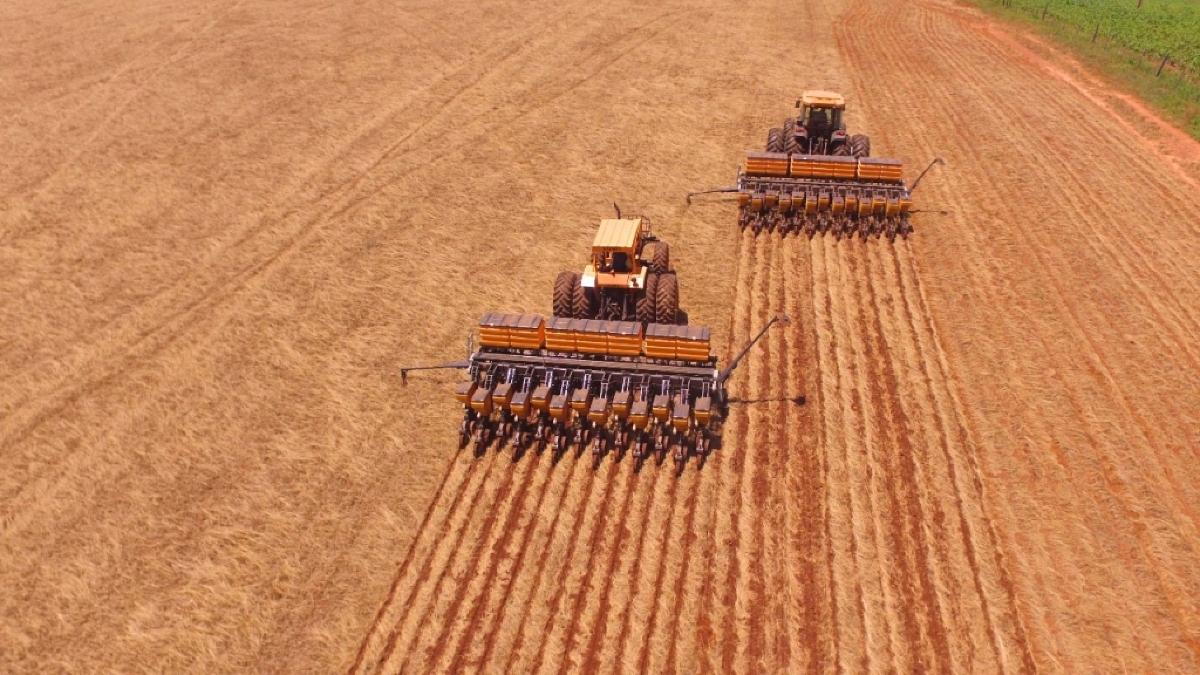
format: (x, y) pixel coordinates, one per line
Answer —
(849, 533)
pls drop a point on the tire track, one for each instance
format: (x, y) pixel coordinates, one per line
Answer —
(1054, 168)
(1153, 440)
(341, 155)
(964, 500)
(1101, 368)
(322, 589)
(910, 545)
(934, 523)
(971, 504)
(1166, 577)
(1153, 444)
(984, 285)
(193, 36)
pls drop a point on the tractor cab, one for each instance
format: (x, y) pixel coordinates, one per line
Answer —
(821, 112)
(615, 255)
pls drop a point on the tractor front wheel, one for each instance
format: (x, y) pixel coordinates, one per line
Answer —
(775, 140)
(660, 258)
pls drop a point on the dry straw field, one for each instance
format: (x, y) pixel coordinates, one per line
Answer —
(225, 225)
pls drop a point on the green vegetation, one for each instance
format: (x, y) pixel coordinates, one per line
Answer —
(1128, 43)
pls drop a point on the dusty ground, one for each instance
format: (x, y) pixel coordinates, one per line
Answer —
(224, 226)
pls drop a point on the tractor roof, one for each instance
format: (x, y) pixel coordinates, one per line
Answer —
(823, 99)
(618, 233)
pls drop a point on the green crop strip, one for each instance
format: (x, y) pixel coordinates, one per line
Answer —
(1151, 47)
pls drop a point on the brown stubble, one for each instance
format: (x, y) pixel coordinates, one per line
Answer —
(224, 231)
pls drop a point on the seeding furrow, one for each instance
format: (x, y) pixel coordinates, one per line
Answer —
(568, 554)
(499, 561)
(811, 610)
(866, 454)
(464, 524)
(769, 484)
(596, 568)
(910, 501)
(546, 542)
(708, 638)
(745, 621)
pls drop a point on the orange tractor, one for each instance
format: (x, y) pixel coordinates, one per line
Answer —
(629, 278)
(814, 177)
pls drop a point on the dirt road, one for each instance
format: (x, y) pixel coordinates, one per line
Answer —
(224, 227)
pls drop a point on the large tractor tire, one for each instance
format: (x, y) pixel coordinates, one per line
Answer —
(645, 303)
(788, 136)
(583, 302)
(860, 145)
(775, 140)
(842, 150)
(666, 299)
(660, 258)
(564, 293)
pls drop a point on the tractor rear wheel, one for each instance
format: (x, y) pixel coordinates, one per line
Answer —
(583, 302)
(564, 293)
(666, 299)
(660, 258)
(860, 145)
(645, 303)
(787, 139)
